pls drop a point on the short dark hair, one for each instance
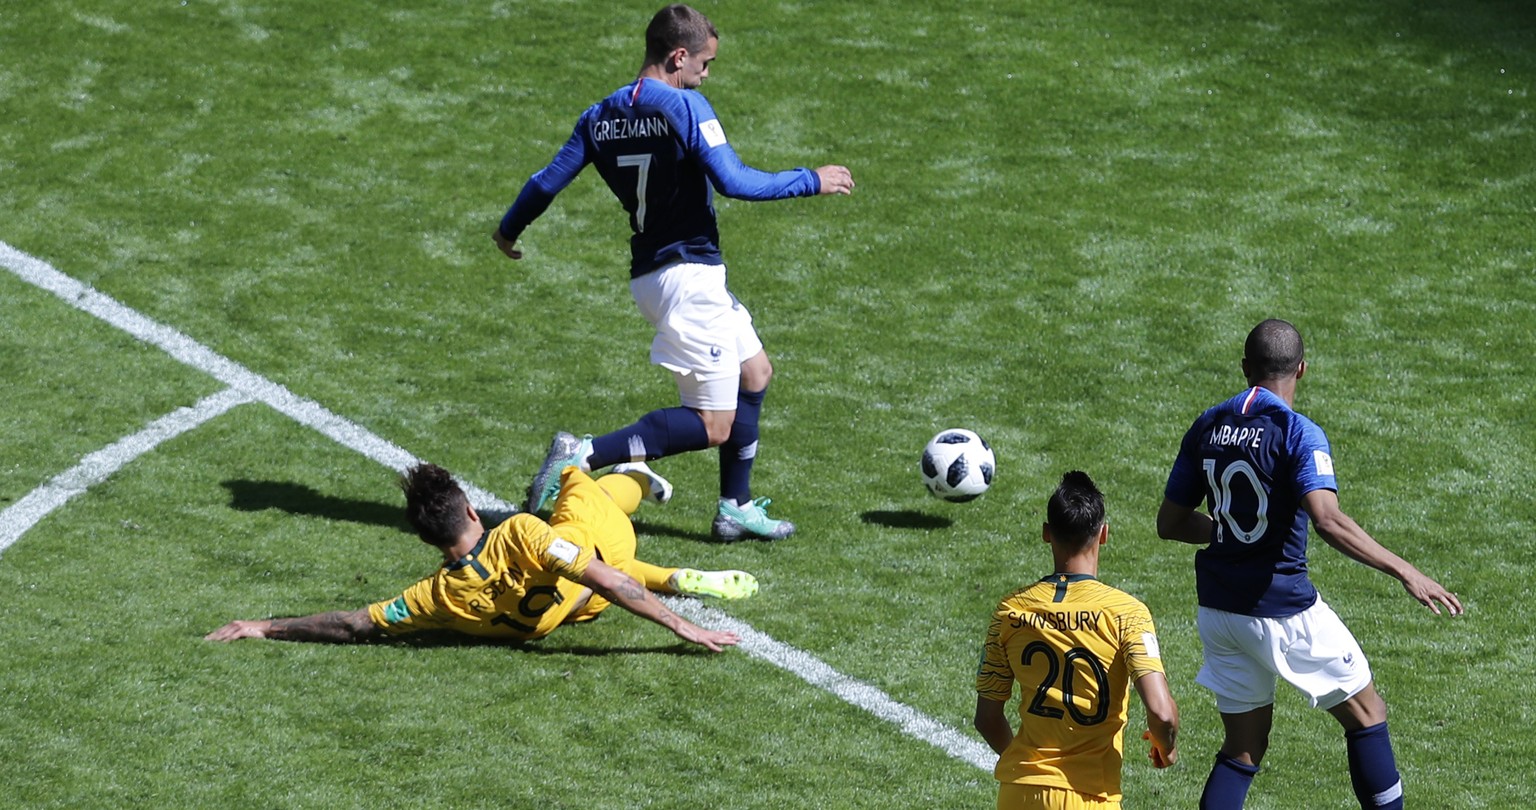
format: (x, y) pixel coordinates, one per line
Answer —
(677, 26)
(1075, 511)
(1273, 350)
(434, 504)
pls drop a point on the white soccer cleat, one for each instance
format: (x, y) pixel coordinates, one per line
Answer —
(659, 490)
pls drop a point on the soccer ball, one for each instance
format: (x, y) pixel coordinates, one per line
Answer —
(957, 465)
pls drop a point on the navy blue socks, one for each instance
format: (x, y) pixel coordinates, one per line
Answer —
(663, 432)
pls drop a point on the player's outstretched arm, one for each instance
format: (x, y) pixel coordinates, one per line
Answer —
(1343, 533)
(336, 627)
(627, 592)
(1181, 523)
(1162, 719)
(992, 723)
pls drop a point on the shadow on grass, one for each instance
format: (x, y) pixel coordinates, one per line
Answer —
(554, 644)
(298, 499)
(905, 519)
(644, 529)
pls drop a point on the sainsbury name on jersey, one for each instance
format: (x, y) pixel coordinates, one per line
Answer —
(1056, 619)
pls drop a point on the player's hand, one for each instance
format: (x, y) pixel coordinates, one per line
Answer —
(238, 630)
(835, 180)
(1159, 757)
(506, 245)
(1431, 594)
(714, 640)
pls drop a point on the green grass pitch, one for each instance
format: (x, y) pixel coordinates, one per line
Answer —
(1067, 217)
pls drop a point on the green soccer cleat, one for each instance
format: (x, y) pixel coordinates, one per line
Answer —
(724, 584)
(658, 489)
(751, 520)
(565, 451)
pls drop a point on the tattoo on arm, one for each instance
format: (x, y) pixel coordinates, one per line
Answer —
(336, 627)
(629, 591)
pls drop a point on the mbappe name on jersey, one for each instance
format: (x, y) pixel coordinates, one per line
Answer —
(613, 129)
(1229, 436)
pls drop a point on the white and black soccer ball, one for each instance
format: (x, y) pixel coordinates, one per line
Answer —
(957, 465)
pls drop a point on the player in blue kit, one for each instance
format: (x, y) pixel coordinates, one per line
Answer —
(1262, 470)
(660, 148)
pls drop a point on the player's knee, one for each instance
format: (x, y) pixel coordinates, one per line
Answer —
(1364, 709)
(717, 426)
(756, 372)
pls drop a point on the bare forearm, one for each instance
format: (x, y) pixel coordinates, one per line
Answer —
(336, 627)
(992, 723)
(1162, 718)
(1344, 534)
(629, 594)
(332, 627)
(1183, 524)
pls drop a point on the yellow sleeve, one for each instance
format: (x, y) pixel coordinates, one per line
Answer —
(414, 610)
(562, 552)
(1138, 638)
(994, 676)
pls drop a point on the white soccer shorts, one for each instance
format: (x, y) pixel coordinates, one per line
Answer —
(1312, 650)
(703, 334)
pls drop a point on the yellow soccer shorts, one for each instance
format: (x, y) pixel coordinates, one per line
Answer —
(1040, 797)
(596, 513)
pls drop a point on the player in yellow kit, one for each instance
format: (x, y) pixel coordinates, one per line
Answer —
(1075, 646)
(525, 577)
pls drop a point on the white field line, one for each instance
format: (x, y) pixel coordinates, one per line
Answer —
(247, 386)
(815, 672)
(94, 468)
(258, 388)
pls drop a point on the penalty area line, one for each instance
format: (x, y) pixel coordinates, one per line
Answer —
(345, 432)
(247, 386)
(96, 467)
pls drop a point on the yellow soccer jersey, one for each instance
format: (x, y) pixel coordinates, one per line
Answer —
(1075, 645)
(518, 583)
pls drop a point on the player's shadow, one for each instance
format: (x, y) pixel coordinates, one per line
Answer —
(257, 496)
(645, 528)
(905, 519)
(540, 646)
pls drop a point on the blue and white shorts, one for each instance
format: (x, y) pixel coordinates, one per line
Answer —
(1312, 650)
(703, 334)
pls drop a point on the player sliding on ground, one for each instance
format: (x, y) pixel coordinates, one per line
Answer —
(525, 577)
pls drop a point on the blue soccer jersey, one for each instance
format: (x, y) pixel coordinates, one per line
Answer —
(1250, 460)
(659, 149)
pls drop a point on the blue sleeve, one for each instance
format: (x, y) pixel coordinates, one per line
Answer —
(1186, 484)
(704, 137)
(1313, 458)
(540, 190)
